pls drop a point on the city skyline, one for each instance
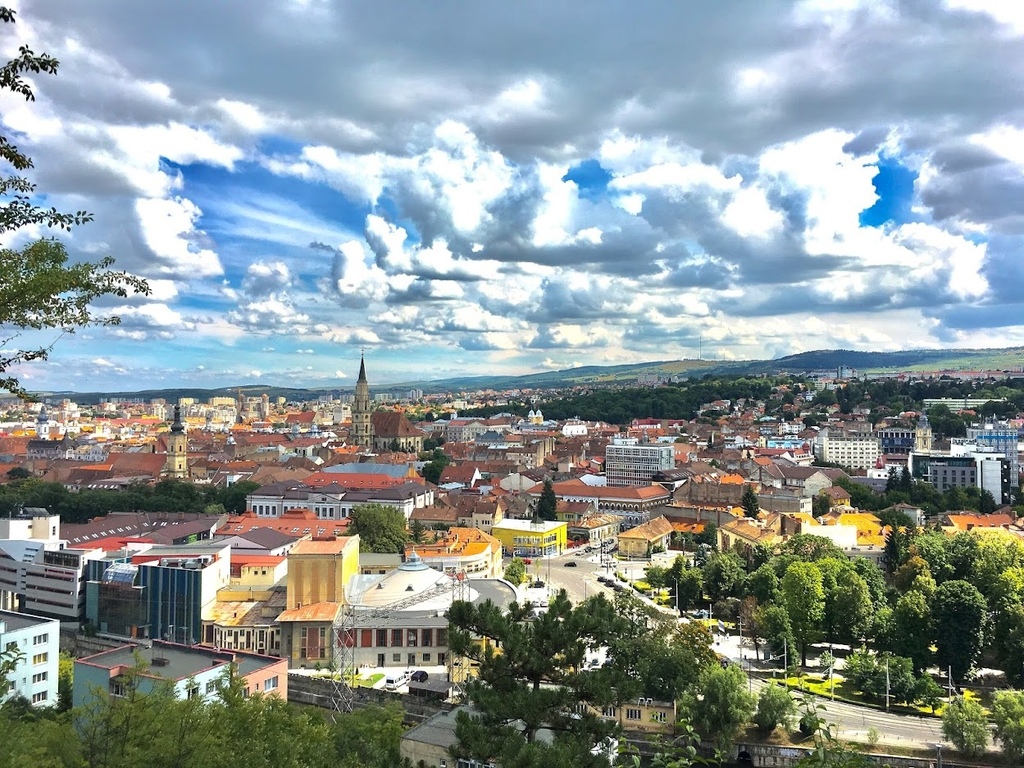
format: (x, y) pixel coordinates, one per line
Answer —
(491, 189)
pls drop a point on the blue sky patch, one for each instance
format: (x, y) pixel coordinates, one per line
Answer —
(591, 178)
(894, 184)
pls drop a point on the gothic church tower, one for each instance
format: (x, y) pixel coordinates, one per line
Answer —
(362, 427)
(177, 449)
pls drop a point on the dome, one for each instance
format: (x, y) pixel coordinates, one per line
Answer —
(413, 577)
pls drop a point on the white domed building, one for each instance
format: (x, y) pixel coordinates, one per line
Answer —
(397, 619)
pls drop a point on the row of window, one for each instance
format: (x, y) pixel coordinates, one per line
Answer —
(409, 638)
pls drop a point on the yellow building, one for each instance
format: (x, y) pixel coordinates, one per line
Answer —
(529, 539)
(317, 574)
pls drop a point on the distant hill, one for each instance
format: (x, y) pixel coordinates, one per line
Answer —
(823, 359)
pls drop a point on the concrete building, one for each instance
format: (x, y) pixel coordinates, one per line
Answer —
(852, 451)
(192, 671)
(37, 642)
(1004, 439)
(629, 462)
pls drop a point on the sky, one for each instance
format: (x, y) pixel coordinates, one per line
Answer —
(462, 188)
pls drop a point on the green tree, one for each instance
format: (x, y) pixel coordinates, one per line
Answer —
(912, 630)
(688, 587)
(531, 677)
(547, 503)
(774, 626)
(749, 502)
(959, 613)
(775, 707)
(370, 737)
(849, 607)
(39, 289)
(723, 576)
(764, 584)
(1008, 716)
(380, 528)
(435, 464)
(723, 705)
(515, 571)
(1009, 642)
(964, 724)
(804, 598)
(416, 531)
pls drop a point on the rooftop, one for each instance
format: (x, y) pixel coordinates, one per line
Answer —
(16, 621)
(173, 661)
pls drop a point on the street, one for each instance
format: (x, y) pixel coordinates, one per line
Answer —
(852, 721)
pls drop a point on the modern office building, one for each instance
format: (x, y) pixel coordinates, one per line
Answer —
(1004, 439)
(630, 462)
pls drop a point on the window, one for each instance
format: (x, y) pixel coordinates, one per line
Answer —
(396, 658)
(270, 683)
(413, 636)
(40, 658)
(425, 657)
(396, 638)
(426, 637)
(442, 637)
(38, 697)
(211, 686)
(382, 638)
(39, 677)
(192, 691)
(608, 712)
(40, 639)
(117, 687)
(632, 714)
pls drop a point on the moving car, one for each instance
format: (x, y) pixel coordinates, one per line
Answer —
(571, 564)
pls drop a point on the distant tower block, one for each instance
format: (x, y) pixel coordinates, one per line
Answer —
(177, 449)
(362, 427)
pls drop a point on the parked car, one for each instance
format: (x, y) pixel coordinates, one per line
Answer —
(419, 676)
(571, 564)
(527, 561)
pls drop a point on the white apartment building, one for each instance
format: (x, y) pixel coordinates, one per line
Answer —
(629, 462)
(36, 642)
(854, 452)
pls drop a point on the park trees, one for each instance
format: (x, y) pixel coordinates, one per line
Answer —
(804, 598)
(381, 528)
(1008, 717)
(911, 630)
(964, 724)
(959, 612)
(723, 576)
(775, 707)
(723, 705)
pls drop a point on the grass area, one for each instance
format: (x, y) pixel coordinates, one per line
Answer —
(822, 687)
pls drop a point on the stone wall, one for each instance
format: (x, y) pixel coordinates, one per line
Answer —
(773, 756)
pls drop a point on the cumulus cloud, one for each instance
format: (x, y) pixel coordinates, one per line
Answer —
(737, 147)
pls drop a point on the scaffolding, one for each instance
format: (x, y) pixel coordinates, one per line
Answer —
(351, 617)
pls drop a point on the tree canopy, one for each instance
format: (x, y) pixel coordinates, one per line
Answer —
(381, 528)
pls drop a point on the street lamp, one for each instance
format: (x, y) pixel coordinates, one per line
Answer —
(938, 755)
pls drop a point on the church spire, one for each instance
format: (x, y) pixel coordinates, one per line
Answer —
(362, 369)
(177, 426)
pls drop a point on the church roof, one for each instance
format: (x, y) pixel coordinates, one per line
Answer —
(393, 424)
(362, 369)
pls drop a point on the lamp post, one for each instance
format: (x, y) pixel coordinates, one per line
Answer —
(938, 755)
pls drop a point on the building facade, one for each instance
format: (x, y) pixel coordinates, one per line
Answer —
(629, 462)
(36, 641)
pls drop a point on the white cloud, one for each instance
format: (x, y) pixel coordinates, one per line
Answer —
(168, 227)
